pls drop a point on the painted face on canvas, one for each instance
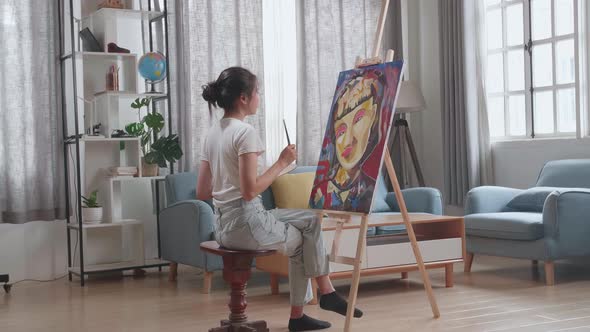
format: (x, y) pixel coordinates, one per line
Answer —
(354, 119)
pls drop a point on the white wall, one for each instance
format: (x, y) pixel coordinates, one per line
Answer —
(516, 164)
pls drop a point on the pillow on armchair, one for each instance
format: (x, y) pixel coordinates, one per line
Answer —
(291, 191)
(530, 200)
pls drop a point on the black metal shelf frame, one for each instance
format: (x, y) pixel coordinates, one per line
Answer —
(76, 137)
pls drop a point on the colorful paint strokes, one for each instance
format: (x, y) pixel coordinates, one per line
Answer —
(358, 128)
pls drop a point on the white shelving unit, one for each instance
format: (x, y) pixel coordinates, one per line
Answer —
(118, 242)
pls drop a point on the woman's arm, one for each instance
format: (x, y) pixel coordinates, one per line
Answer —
(204, 186)
(251, 185)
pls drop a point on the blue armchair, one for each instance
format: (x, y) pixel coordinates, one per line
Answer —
(186, 222)
(548, 222)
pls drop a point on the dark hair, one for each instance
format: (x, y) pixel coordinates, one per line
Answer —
(229, 86)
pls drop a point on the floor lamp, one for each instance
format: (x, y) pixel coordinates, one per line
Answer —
(409, 100)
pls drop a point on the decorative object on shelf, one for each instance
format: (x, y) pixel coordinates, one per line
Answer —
(96, 129)
(114, 48)
(122, 171)
(111, 4)
(89, 42)
(152, 67)
(113, 78)
(91, 211)
(117, 133)
(156, 150)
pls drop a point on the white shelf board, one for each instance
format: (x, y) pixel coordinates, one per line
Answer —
(134, 178)
(128, 94)
(109, 140)
(105, 55)
(116, 223)
(119, 266)
(126, 13)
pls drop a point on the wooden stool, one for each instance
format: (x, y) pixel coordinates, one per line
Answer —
(236, 272)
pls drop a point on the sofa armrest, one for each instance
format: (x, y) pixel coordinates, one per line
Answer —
(183, 226)
(489, 199)
(423, 199)
(566, 223)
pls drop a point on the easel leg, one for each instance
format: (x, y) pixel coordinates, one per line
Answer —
(356, 274)
(411, 234)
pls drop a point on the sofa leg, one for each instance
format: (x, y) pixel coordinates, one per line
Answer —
(468, 262)
(274, 284)
(207, 282)
(549, 273)
(404, 275)
(173, 273)
(449, 275)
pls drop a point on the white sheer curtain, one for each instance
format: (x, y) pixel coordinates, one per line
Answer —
(280, 74)
(210, 35)
(479, 154)
(31, 162)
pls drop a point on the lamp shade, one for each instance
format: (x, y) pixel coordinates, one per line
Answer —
(410, 98)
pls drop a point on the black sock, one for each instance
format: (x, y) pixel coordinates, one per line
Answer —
(306, 323)
(336, 303)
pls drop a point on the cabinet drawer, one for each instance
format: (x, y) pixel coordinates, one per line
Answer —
(401, 253)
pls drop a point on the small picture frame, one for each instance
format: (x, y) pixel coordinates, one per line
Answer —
(89, 42)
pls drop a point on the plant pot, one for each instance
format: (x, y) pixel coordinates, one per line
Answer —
(92, 215)
(148, 170)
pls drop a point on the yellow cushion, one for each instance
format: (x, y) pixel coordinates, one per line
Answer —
(291, 191)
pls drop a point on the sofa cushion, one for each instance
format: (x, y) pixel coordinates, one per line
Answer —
(505, 225)
(291, 191)
(379, 202)
(530, 200)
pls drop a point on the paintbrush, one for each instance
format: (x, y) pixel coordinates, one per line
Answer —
(286, 132)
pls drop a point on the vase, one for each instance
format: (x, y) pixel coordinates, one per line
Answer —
(92, 215)
(148, 170)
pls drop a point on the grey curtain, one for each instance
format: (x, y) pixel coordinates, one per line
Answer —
(467, 156)
(330, 35)
(209, 36)
(31, 157)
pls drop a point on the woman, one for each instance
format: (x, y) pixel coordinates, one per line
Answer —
(228, 174)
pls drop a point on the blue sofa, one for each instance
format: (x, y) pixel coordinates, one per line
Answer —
(548, 222)
(186, 222)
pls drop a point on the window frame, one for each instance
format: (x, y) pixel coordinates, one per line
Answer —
(529, 89)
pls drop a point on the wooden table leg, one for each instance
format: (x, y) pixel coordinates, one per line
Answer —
(314, 289)
(274, 284)
(404, 275)
(449, 275)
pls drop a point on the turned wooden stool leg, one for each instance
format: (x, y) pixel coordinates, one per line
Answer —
(236, 272)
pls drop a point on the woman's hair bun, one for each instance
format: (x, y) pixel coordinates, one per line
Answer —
(210, 93)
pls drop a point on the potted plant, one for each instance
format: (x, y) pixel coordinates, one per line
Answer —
(156, 149)
(91, 211)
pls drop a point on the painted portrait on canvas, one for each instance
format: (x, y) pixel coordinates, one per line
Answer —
(358, 128)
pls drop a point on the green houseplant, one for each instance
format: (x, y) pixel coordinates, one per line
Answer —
(156, 149)
(91, 210)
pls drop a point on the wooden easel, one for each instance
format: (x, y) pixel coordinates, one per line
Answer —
(345, 217)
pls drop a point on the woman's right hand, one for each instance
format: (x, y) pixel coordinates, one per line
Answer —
(288, 155)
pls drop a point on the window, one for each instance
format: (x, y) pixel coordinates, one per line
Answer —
(532, 68)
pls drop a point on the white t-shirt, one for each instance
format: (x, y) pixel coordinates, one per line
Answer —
(224, 143)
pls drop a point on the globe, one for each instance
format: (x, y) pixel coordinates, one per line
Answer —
(152, 67)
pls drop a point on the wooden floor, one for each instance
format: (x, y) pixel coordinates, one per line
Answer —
(499, 295)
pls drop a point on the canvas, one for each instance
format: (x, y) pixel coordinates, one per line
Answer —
(358, 128)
